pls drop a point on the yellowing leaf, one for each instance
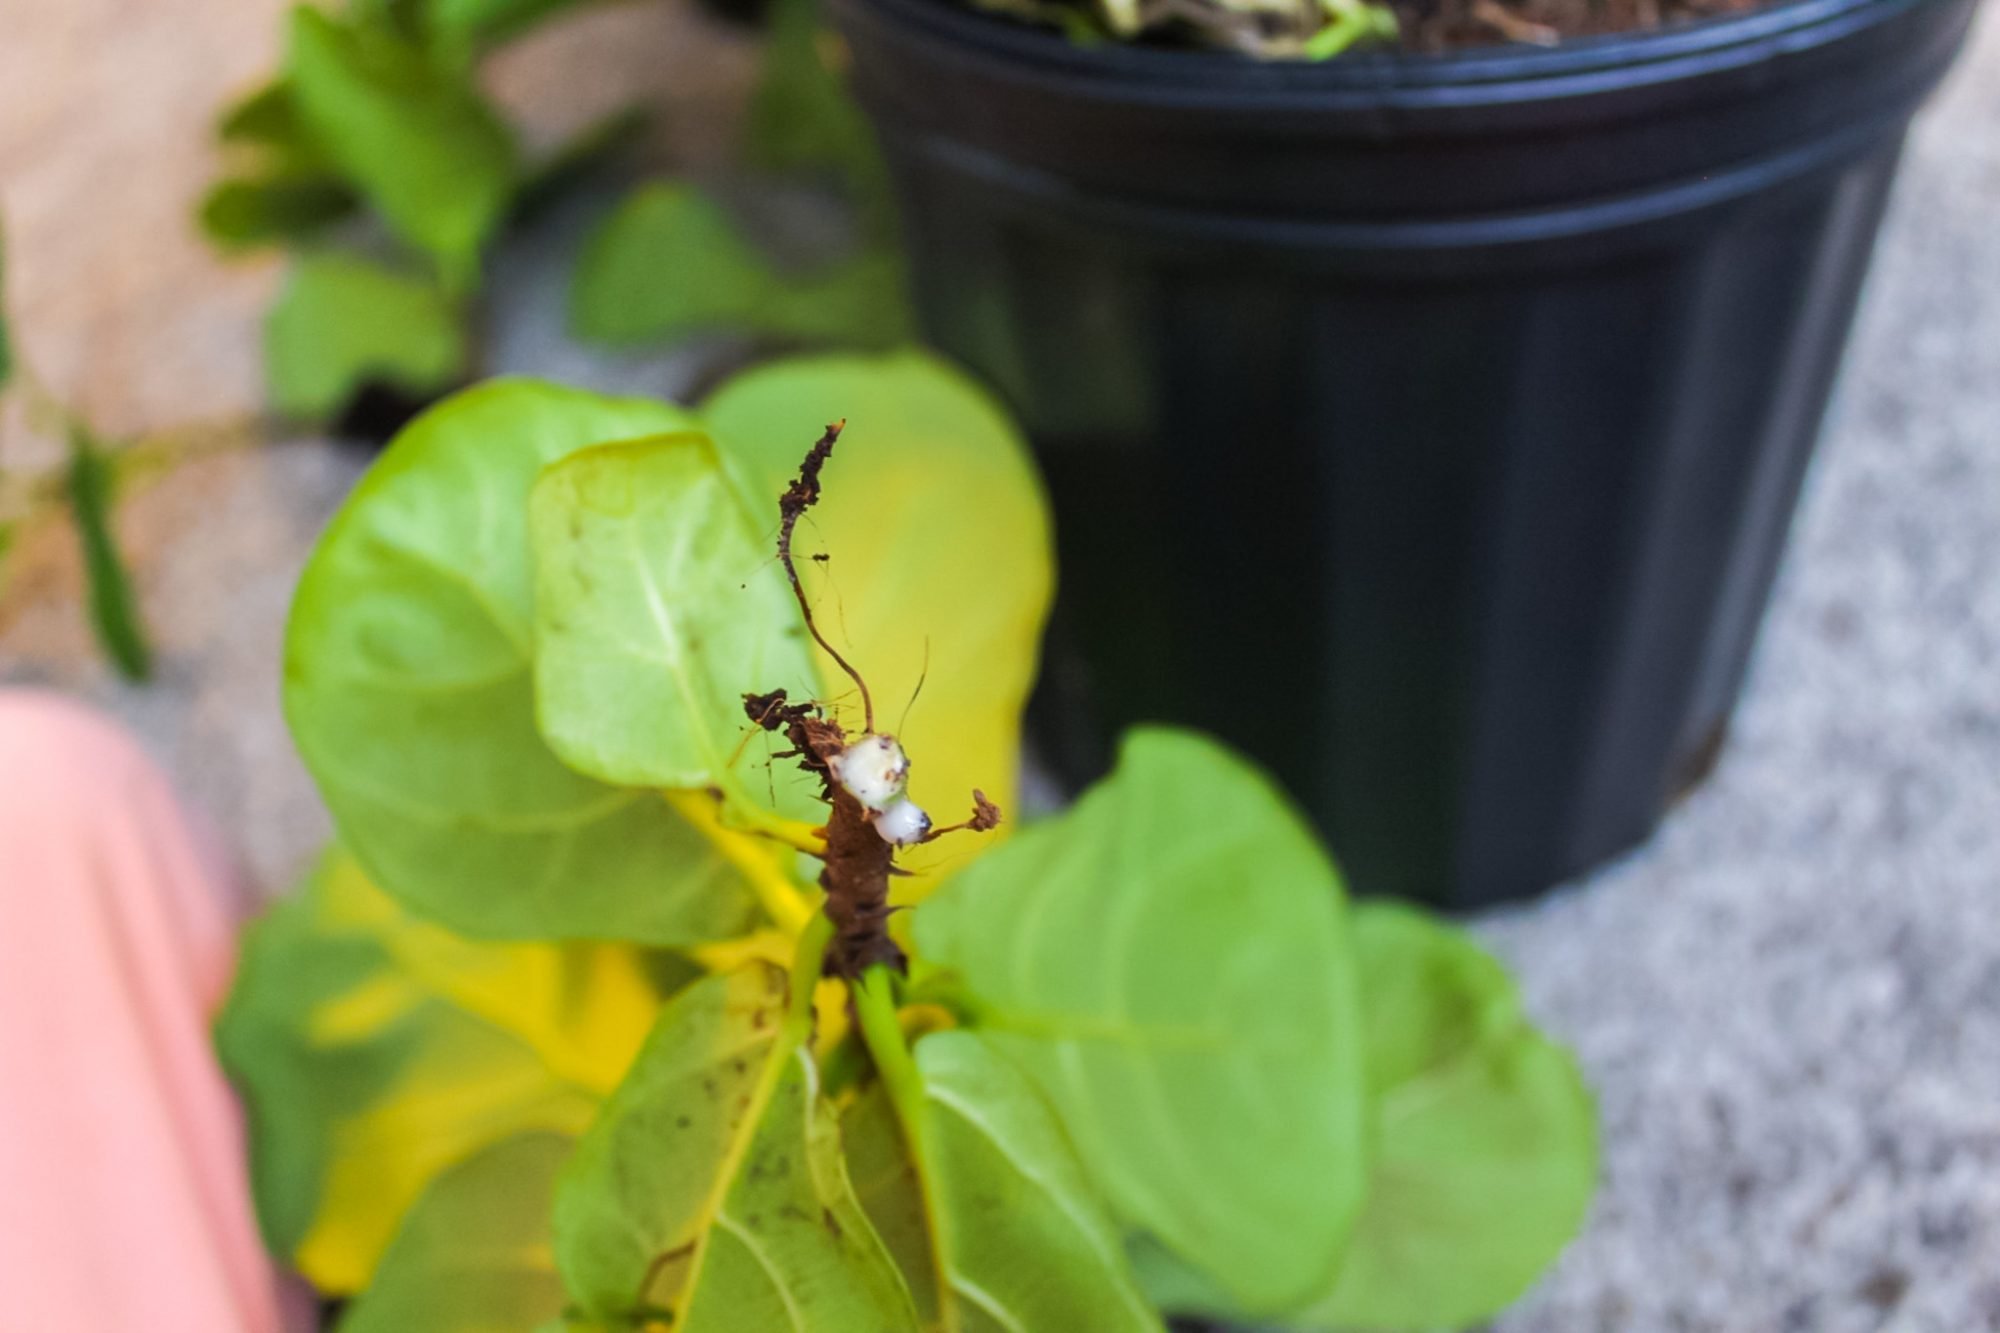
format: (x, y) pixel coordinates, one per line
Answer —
(937, 538)
(375, 1051)
(474, 1255)
(584, 1009)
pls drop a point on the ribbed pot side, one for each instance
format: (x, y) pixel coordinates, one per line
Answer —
(1429, 428)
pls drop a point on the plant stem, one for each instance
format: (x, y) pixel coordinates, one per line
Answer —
(875, 1009)
(875, 1012)
(807, 968)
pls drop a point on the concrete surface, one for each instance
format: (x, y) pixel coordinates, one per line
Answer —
(1789, 1002)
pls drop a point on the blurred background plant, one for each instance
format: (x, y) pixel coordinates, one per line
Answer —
(376, 160)
(85, 489)
(378, 163)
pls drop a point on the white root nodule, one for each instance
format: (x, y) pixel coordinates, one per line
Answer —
(873, 770)
(903, 824)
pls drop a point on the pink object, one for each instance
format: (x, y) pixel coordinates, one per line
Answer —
(124, 1197)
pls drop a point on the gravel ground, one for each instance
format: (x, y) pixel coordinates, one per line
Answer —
(1789, 1002)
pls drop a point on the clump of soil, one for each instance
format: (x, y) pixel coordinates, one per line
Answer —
(1448, 25)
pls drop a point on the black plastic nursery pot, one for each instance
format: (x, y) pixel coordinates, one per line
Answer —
(1429, 427)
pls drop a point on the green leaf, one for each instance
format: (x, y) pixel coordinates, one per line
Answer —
(1025, 1242)
(246, 212)
(885, 1181)
(343, 323)
(113, 611)
(657, 604)
(408, 688)
(712, 1186)
(1170, 961)
(1486, 1139)
(473, 1256)
(412, 132)
(939, 555)
(669, 262)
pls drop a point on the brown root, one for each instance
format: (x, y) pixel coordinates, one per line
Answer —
(801, 495)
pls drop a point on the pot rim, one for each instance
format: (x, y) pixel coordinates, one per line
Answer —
(1481, 76)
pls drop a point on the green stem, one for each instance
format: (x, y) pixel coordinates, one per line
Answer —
(807, 967)
(875, 1011)
(875, 1008)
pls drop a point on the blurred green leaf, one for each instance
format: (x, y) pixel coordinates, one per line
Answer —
(6, 345)
(474, 1255)
(9, 530)
(266, 115)
(1486, 1137)
(1024, 1240)
(409, 691)
(885, 1181)
(411, 131)
(1170, 961)
(282, 186)
(113, 611)
(712, 1186)
(801, 114)
(670, 262)
(342, 323)
(250, 211)
(657, 604)
(267, 123)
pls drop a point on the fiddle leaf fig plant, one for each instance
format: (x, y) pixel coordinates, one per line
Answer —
(688, 965)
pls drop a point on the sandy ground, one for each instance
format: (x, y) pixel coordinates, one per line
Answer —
(1789, 1002)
